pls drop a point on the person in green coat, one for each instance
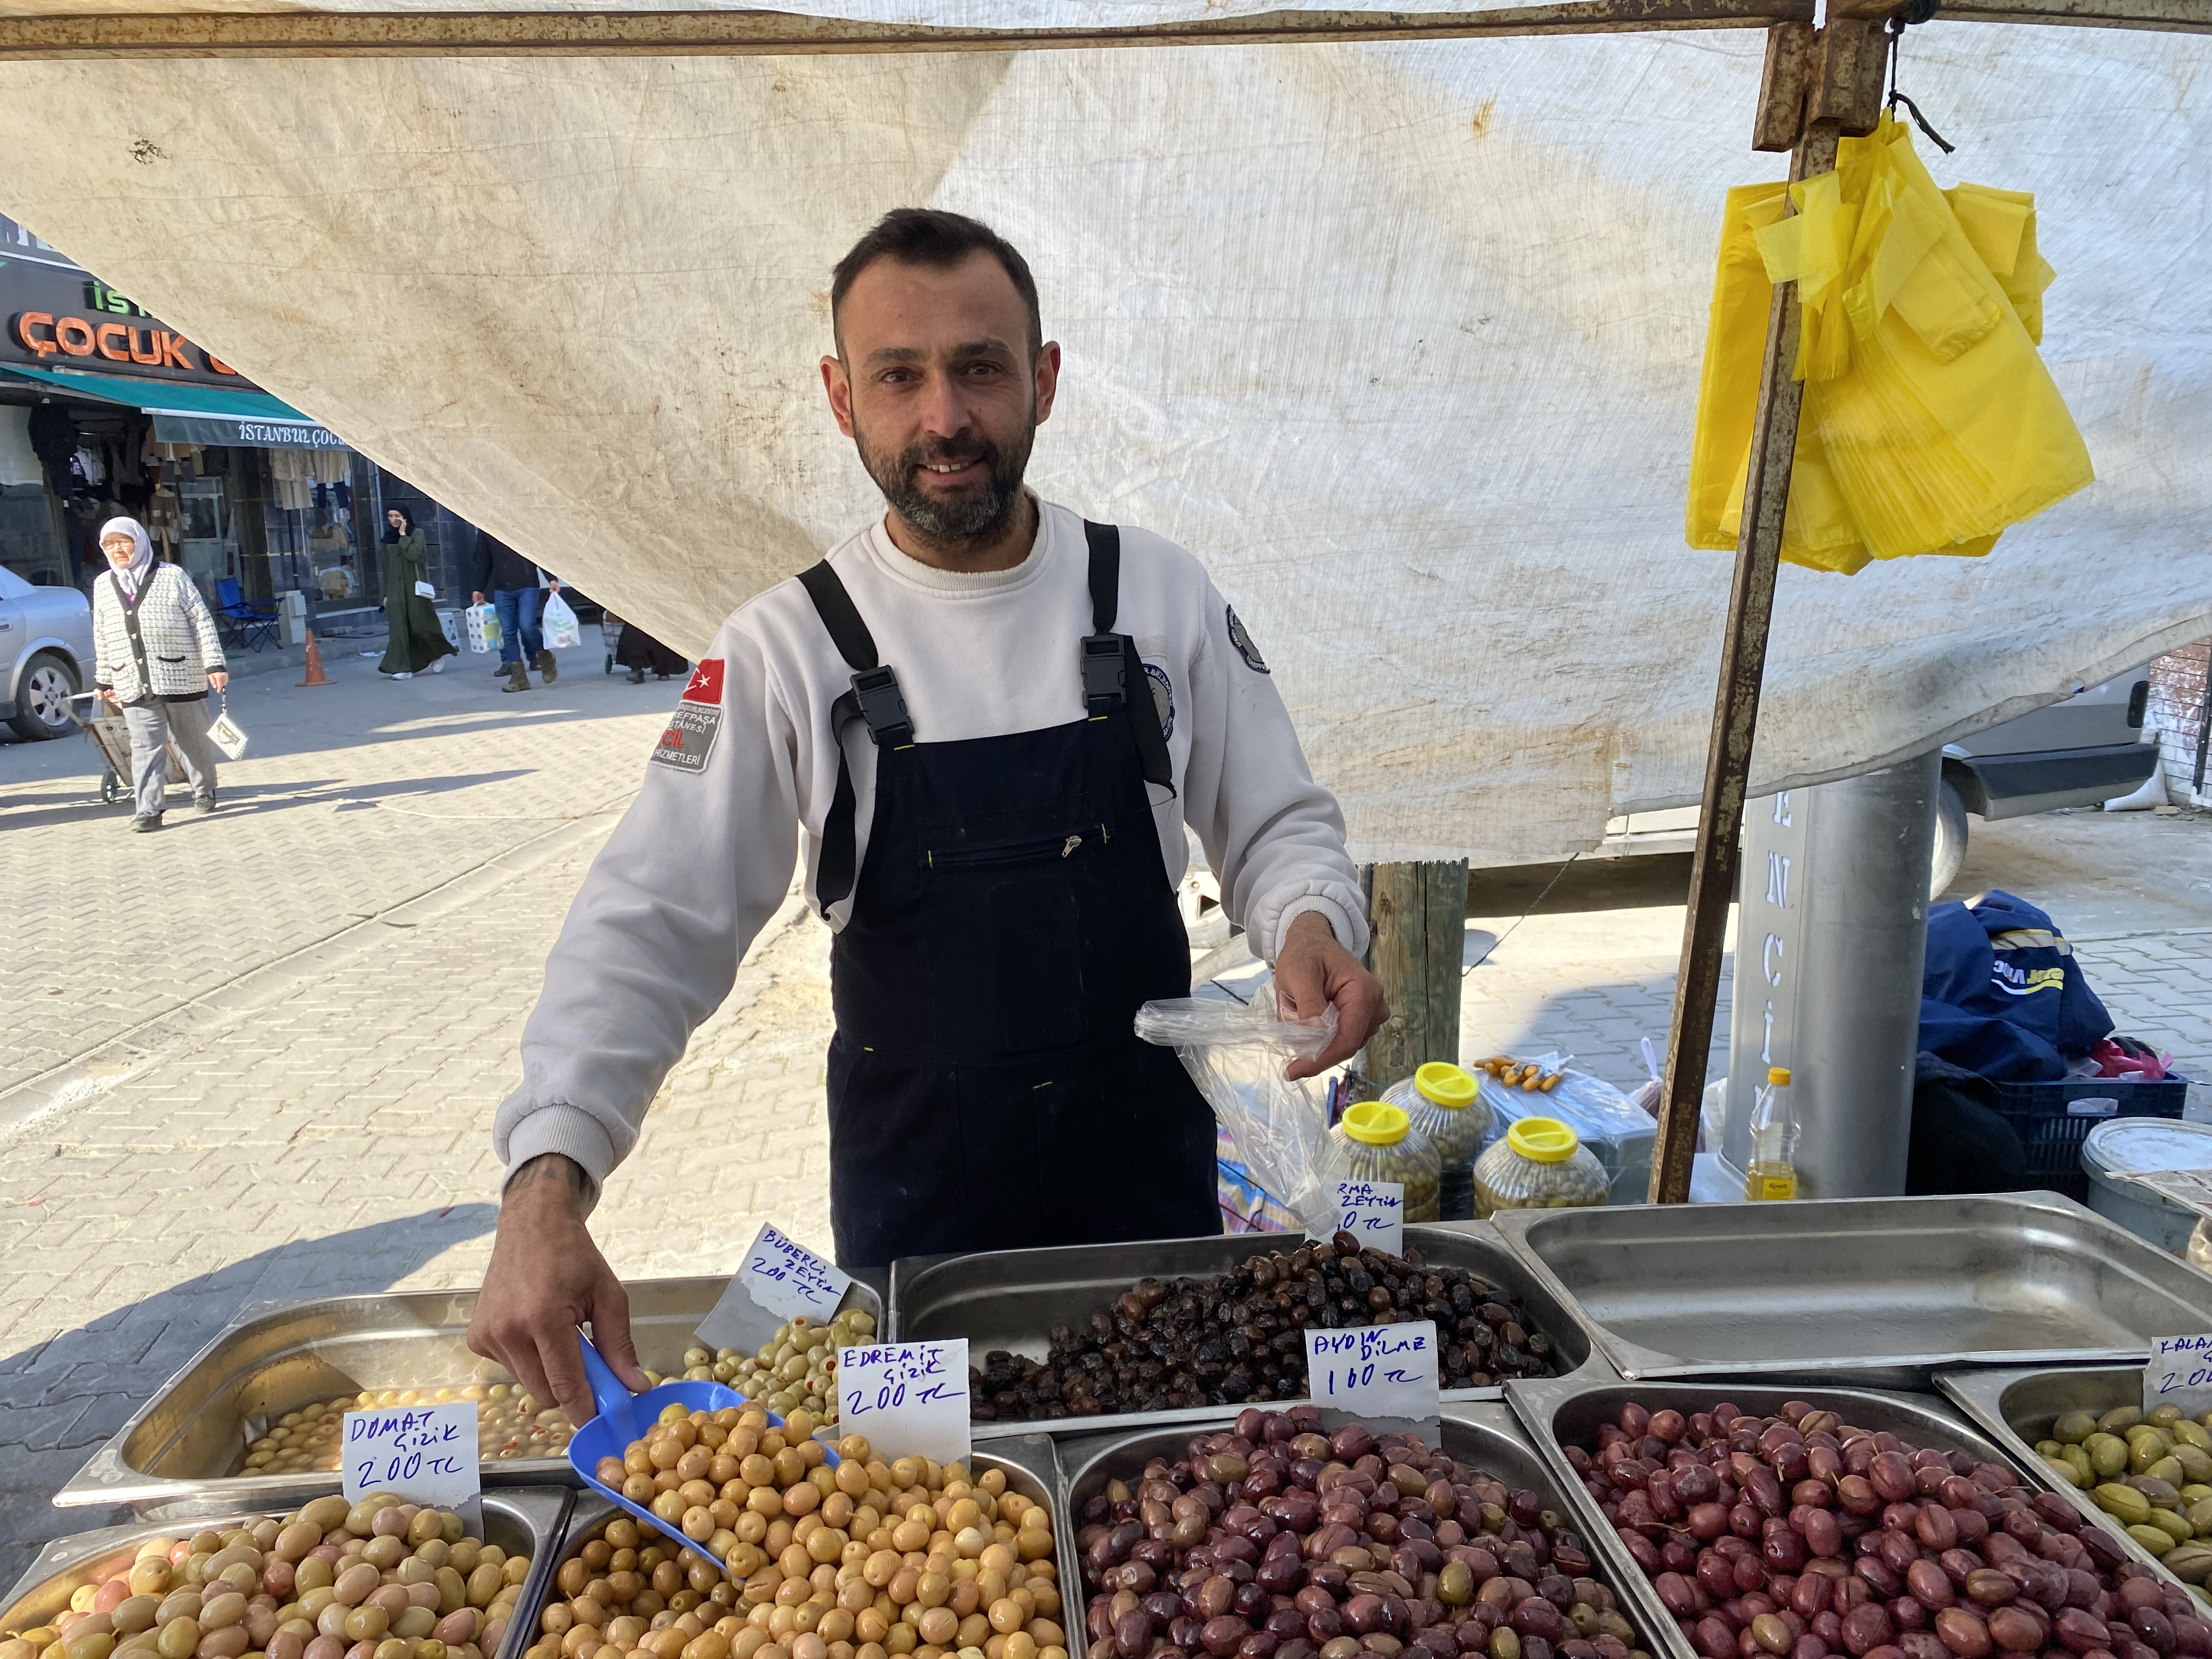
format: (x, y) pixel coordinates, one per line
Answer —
(416, 641)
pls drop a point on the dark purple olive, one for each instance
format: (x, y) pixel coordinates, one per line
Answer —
(1260, 1644)
(1285, 1622)
(2152, 1628)
(1537, 1617)
(1712, 1637)
(1362, 1615)
(1866, 1628)
(1929, 1585)
(1221, 1637)
(1324, 1625)
(1350, 1442)
(1132, 1634)
(1962, 1632)
(1253, 1603)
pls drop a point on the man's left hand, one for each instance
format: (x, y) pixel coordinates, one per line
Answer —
(1313, 972)
(219, 678)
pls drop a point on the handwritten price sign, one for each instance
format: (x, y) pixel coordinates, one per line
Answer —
(1374, 1213)
(2179, 1374)
(779, 1280)
(1385, 1370)
(909, 1398)
(427, 1454)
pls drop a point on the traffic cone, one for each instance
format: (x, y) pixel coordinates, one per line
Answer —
(315, 675)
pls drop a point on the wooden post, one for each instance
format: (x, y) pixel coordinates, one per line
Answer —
(1419, 915)
(1814, 92)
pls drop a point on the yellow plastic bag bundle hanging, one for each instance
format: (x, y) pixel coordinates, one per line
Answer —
(1930, 425)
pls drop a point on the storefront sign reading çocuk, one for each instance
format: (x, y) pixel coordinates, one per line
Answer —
(61, 318)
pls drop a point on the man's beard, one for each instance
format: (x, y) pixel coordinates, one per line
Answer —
(976, 516)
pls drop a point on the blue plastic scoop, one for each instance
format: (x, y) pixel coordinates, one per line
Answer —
(625, 1417)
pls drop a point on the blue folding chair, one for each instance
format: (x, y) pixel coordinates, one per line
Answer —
(241, 621)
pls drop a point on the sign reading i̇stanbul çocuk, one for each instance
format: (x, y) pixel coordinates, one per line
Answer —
(59, 317)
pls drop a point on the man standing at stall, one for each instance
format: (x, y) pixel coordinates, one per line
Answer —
(992, 721)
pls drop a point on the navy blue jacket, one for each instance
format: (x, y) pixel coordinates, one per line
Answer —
(2003, 995)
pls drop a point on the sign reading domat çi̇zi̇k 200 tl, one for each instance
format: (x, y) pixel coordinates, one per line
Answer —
(61, 317)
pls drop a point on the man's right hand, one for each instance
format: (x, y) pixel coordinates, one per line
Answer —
(547, 1278)
(476, 598)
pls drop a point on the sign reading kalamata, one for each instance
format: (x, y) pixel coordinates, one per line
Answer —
(61, 317)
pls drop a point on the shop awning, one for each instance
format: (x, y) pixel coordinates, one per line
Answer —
(184, 414)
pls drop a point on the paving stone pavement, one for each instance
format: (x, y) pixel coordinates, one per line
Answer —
(256, 1057)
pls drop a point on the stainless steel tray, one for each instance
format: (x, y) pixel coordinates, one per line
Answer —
(1032, 1468)
(1554, 1413)
(1012, 1299)
(519, 1519)
(2018, 1406)
(1873, 1291)
(185, 1442)
(1482, 1433)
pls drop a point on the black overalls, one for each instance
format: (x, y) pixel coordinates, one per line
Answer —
(986, 1089)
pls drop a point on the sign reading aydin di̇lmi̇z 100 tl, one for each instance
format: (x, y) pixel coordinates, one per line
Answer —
(1383, 1371)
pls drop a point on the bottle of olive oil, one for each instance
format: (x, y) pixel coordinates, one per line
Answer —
(1772, 1172)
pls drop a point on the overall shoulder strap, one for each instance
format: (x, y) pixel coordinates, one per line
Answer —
(834, 606)
(1105, 540)
(875, 697)
(1113, 673)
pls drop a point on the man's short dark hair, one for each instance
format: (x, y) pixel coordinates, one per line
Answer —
(938, 239)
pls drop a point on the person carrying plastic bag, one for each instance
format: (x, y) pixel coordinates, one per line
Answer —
(1930, 423)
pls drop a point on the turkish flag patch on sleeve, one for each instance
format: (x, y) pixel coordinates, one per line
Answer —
(706, 682)
(688, 742)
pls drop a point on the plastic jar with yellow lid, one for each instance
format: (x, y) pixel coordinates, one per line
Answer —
(1445, 1103)
(1540, 1164)
(1378, 1142)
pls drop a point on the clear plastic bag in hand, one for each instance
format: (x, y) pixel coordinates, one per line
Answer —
(1236, 1053)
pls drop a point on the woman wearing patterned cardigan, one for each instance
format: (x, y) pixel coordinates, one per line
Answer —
(156, 653)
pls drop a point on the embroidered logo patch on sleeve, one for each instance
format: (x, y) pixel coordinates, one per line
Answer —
(1243, 642)
(688, 738)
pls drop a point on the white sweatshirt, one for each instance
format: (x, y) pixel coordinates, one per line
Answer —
(703, 856)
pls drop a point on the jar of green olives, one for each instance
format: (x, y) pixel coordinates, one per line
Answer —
(1445, 1104)
(1540, 1164)
(1377, 1141)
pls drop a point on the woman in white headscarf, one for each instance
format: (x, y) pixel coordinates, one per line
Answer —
(156, 652)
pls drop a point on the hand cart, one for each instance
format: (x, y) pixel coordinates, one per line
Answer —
(103, 723)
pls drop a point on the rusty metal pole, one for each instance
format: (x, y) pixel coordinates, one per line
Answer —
(1817, 86)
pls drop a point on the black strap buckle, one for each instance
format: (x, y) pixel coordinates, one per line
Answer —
(1105, 673)
(882, 705)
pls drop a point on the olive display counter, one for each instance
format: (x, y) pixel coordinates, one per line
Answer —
(1877, 1292)
(1923, 1517)
(2021, 1408)
(1260, 1536)
(193, 1442)
(145, 1587)
(1052, 1310)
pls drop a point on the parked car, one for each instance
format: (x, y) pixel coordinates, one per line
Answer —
(46, 655)
(2081, 751)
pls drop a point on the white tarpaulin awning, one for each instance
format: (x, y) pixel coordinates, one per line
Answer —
(1401, 339)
